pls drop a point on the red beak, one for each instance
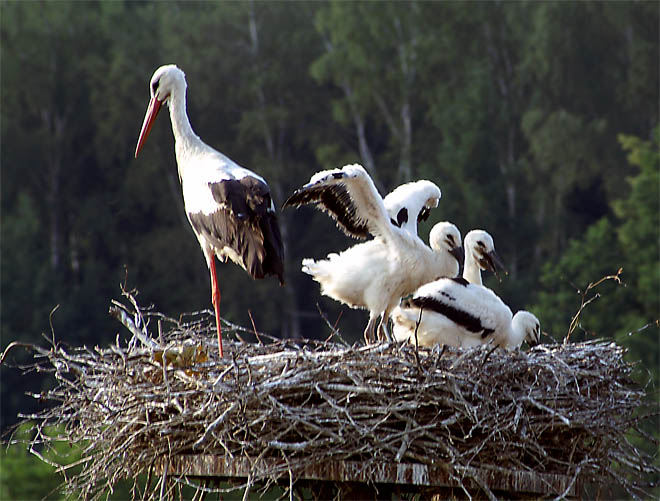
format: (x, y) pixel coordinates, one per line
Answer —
(149, 118)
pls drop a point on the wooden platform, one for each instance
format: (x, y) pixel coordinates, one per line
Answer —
(353, 479)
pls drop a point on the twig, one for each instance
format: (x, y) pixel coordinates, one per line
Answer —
(254, 327)
(419, 321)
(122, 317)
(584, 302)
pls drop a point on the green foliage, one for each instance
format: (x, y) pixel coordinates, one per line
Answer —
(639, 214)
(586, 260)
(629, 241)
(25, 476)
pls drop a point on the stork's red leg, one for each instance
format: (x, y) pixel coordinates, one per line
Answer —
(215, 299)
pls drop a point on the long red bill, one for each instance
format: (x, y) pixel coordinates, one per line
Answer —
(149, 118)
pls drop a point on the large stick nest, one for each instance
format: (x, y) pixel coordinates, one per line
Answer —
(559, 409)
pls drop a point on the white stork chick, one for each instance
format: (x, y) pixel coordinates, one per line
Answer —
(411, 203)
(374, 275)
(479, 255)
(457, 313)
(229, 208)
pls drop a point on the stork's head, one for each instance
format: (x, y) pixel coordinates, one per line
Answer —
(418, 196)
(479, 246)
(166, 81)
(526, 327)
(446, 237)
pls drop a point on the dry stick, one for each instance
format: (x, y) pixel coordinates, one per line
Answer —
(50, 322)
(163, 480)
(333, 328)
(11, 345)
(160, 332)
(578, 469)
(656, 322)
(419, 321)
(127, 322)
(254, 327)
(488, 355)
(584, 302)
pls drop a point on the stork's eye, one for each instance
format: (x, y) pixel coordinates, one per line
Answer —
(154, 86)
(480, 244)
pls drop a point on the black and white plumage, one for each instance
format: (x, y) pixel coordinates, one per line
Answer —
(457, 313)
(374, 275)
(350, 197)
(230, 208)
(479, 255)
(411, 203)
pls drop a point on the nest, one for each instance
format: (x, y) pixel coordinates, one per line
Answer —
(556, 409)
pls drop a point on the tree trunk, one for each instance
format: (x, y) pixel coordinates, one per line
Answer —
(502, 69)
(290, 322)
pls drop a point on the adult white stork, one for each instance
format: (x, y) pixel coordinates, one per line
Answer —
(479, 255)
(378, 273)
(457, 313)
(229, 208)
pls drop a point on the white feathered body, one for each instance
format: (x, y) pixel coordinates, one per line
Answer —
(374, 275)
(455, 313)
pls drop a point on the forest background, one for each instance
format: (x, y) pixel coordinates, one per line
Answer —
(539, 122)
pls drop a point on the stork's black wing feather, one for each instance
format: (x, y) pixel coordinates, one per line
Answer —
(245, 223)
(336, 201)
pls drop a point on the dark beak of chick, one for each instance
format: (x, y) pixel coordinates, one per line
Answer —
(491, 262)
(459, 254)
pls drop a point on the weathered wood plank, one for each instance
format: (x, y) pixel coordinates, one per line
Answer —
(408, 474)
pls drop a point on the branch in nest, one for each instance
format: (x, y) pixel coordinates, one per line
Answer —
(585, 302)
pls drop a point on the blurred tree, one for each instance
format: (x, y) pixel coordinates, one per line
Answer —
(371, 53)
(638, 235)
(629, 241)
(49, 174)
(572, 163)
(25, 476)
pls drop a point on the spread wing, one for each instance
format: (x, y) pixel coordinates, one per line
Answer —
(350, 197)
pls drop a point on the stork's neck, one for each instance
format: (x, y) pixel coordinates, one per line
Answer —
(516, 333)
(471, 270)
(185, 139)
